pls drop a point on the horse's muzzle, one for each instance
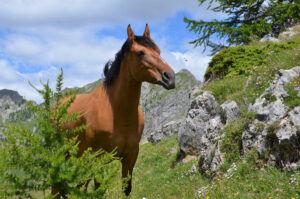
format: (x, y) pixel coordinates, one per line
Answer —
(168, 80)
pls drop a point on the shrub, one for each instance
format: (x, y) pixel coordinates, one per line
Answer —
(33, 159)
(240, 60)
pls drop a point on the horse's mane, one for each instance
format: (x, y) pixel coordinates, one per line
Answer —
(112, 68)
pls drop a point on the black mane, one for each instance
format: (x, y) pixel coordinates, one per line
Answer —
(112, 68)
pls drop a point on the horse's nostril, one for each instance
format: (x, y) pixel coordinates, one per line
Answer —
(168, 80)
(166, 76)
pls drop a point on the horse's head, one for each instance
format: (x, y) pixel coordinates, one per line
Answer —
(146, 62)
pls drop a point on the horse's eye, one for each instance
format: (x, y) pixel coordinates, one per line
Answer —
(141, 53)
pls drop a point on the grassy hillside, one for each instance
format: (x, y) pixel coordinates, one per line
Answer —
(156, 178)
(242, 73)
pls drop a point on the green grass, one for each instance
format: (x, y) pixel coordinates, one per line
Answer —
(244, 88)
(251, 182)
(154, 178)
(240, 60)
(292, 100)
(231, 144)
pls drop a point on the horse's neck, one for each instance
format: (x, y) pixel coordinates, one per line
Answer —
(125, 93)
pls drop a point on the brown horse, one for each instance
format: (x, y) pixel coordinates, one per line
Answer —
(112, 114)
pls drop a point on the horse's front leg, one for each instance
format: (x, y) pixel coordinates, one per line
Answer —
(128, 163)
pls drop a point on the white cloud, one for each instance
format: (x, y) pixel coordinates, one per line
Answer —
(7, 73)
(43, 35)
(81, 54)
(76, 13)
(193, 60)
(12, 79)
(68, 48)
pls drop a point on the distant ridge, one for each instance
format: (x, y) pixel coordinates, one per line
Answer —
(13, 95)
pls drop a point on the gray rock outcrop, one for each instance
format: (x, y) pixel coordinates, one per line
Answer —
(270, 106)
(231, 110)
(275, 132)
(283, 140)
(201, 132)
(202, 126)
(254, 137)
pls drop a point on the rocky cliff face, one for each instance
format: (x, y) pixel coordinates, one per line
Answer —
(165, 109)
(274, 133)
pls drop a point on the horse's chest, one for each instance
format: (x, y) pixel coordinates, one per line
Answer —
(109, 131)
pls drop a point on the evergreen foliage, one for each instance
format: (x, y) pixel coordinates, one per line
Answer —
(246, 20)
(35, 159)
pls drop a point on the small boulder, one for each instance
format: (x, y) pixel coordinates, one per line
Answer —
(231, 110)
(202, 129)
(269, 38)
(283, 141)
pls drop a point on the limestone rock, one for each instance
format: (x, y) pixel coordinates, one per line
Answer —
(270, 107)
(254, 137)
(269, 38)
(275, 133)
(202, 129)
(231, 110)
(284, 141)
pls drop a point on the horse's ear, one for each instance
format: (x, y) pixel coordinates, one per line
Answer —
(130, 33)
(147, 31)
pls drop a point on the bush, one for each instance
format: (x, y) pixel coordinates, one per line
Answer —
(33, 159)
(240, 60)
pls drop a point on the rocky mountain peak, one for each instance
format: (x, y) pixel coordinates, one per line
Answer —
(10, 102)
(14, 96)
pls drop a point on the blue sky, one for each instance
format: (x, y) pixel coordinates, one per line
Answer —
(37, 37)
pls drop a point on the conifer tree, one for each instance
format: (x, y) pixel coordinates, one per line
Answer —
(34, 159)
(246, 20)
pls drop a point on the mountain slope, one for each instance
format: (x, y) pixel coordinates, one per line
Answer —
(10, 102)
(163, 106)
